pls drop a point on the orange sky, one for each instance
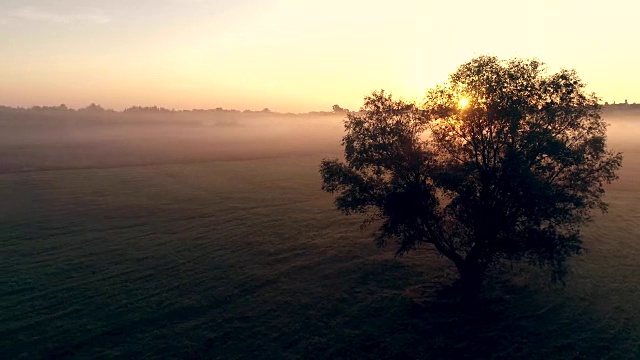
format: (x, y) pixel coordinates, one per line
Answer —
(294, 55)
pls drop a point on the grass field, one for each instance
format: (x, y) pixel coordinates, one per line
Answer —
(248, 260)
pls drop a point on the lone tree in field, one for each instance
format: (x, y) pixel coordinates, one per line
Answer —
(503, 161)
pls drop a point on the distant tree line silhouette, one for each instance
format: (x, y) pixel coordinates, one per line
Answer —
(97, 108)
(621, 108)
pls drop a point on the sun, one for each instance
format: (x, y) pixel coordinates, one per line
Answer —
(463, 102)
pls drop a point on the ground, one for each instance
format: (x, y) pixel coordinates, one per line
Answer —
(248, 259)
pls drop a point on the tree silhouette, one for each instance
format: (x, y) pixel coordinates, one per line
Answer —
(93, 108)
(503, 161)
(337, 109)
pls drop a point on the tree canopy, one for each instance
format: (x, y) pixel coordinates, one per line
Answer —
(503, 161)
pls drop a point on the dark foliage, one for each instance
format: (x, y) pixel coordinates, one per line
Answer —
(504, 161)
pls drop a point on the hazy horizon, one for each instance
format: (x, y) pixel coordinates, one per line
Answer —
(159, 108)
(291, 56)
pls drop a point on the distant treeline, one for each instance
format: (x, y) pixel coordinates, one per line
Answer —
(96, 108)
(96, 114)
(621, 109)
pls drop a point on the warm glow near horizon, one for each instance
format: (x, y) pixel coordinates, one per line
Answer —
(292, 55)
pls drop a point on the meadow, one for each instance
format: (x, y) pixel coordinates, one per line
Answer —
(195, 241)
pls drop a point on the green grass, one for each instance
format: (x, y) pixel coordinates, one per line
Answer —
(248, 259)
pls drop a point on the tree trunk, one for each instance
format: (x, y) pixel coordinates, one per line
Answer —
(471, 277)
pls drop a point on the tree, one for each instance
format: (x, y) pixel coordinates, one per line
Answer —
(337, 109)
(502, 162)
(93, 108)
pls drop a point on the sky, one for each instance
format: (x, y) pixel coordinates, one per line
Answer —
(296, 55)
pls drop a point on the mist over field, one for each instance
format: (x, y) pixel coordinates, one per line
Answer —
(31, 140)
(45, 140)
(204, 235)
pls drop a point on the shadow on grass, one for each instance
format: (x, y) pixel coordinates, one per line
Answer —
(354, 307)
(374, 313)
